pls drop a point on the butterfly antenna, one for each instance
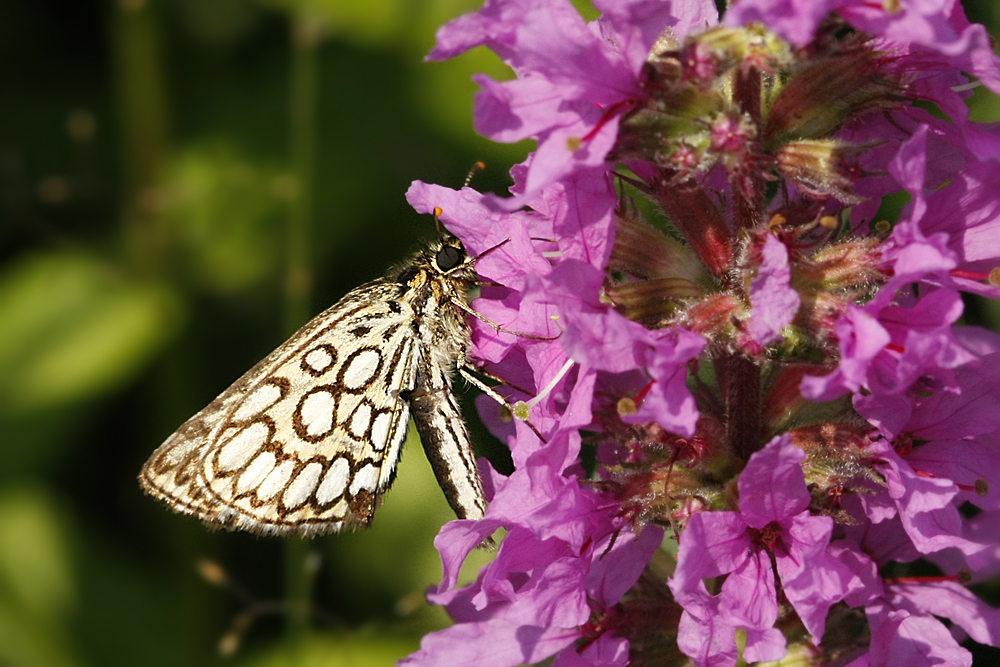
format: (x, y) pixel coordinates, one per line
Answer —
(437, 222)
(476, 168)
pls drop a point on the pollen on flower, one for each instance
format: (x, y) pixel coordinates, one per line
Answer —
(573, 144)
(995, 276)
(626, 406)
(521, 411)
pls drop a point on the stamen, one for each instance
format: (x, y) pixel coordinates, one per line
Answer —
(523, 408)
(981, 488)
(626, 406)
(967, 86)
(971, 275)
(438, 211)
(926, 580)
(645, 390)
(624, 106)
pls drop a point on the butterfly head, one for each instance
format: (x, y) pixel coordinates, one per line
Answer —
(450, 255)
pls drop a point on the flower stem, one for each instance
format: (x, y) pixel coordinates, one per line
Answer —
(304, 83)
(305, 37)
(748, 186)
(743, 407)
(144, 121)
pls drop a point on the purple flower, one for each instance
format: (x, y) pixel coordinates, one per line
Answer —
(902, 612)
(774, 303)
(574, 80)
(702, 326)
(773, 521)
(925, 508)
(936, 26)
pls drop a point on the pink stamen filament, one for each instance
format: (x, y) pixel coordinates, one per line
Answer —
(612, 111)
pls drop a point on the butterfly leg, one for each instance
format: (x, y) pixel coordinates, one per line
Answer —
(499, 329)
(491, 392)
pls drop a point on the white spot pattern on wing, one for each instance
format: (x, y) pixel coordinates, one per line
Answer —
(255, 472)
(335, 481)
(259, 400)
(317, 413)
(235, 453)
(361, 369)
(300, 488)
(364, 479)
(276, 480)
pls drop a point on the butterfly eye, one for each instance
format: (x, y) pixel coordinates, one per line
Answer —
(449, 257)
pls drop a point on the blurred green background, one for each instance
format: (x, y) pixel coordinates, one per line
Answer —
(182, 184)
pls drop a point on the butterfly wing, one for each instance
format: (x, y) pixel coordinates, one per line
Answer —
(308, 440)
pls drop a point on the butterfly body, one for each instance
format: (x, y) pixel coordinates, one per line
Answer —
(308, 440)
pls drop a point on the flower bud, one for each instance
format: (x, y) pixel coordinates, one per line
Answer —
(829, 91)
(821, 168)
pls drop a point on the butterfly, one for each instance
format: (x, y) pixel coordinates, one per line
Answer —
(307, 442)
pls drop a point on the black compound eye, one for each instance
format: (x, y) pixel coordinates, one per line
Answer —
(449, 257)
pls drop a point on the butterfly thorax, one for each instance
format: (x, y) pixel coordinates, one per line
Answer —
(437, 296)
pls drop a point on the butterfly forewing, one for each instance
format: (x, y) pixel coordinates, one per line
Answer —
(307, 441)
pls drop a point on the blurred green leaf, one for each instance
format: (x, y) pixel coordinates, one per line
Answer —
(370, 650)
(23, 644)
(991, 313)
(36, 582)
(132, 612)
(75, 327)
(402, 23)
(34, 569)
(984, 105)
(225, 214)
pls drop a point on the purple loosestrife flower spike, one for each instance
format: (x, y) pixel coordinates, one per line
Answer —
(761, 431)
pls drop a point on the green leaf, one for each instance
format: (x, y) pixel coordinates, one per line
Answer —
(36, 584)
(74, 328)
(370, 650)
(225, 214)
